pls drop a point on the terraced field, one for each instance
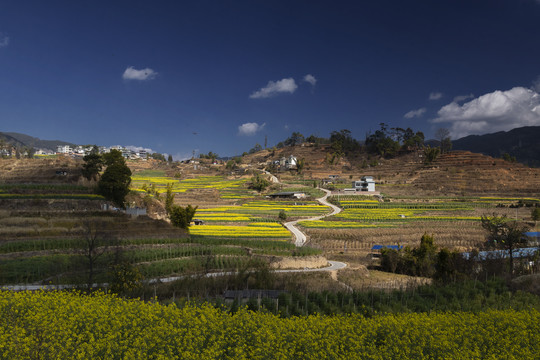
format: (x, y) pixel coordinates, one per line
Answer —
(455, 222)
(45, 229)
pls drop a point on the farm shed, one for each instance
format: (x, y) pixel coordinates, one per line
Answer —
(287, 195)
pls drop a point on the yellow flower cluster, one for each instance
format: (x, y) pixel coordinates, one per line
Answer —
(261, 231)
(68, 325)
(179, 186)
(221, 216)
(376, 214)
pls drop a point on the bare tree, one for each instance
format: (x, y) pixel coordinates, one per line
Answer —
(95, 242)
(445, 141)
(505, 234)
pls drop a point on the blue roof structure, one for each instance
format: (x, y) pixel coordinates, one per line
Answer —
(393, 247)
(503, 254)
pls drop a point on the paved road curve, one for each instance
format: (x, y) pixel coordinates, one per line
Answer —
(334, 265)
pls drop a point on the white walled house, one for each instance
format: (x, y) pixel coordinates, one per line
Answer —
(365, 184)
(64, 149)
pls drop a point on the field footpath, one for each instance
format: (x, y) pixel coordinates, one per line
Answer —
(299, 236)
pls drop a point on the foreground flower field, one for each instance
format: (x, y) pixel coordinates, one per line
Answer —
(64, 325)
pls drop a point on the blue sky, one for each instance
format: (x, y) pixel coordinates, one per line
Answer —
(178, 76)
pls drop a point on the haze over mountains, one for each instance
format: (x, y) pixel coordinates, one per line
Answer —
(522, 143)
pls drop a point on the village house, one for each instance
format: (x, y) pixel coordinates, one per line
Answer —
(365, 184)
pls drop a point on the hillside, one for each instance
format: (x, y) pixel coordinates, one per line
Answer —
(523, 143)
(456, 173)
(7, 139)
(19, 140)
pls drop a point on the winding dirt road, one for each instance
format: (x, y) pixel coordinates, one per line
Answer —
(300, 237)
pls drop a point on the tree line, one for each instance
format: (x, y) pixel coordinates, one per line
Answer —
(386, 142)
(444, 265)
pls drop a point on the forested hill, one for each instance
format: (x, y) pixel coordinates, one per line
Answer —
(522, 143)
(21, 140)
(7, 139)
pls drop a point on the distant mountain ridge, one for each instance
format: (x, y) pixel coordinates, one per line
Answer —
(21, 140)
(523, 143)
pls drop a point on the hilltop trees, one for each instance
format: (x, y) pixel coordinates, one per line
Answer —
(295, 139)
(342, 141)
(382, 143)
(387, 142)
(443, 135)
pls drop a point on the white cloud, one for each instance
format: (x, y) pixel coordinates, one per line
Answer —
(536, 83)
(275, 87)
(461, 98)
(249, 129)
(4, 40)
(415, 113)
(182, 156)
(496, 111)
(435, 96)
(310, 79)
(144, 74)
(139, 148)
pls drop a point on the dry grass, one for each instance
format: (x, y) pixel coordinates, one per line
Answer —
(374, 279)
(459, 235)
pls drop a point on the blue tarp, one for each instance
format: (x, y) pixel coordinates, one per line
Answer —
(393, 247)
(503, 254)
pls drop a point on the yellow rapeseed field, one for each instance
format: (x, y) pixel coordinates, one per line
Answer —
(69, 325)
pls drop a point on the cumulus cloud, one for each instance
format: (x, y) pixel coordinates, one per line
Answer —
(496, 111)
(179, 156)
(435, 96)
(139, 148)
(536, 83)
(275, 87)
(249, 129)
(415, 113)
(461, 98)
(144, 74)
(4, 40)
(310, 79)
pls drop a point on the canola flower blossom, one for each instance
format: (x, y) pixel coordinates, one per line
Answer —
(180, 186)
(70, 325)
(251, 231)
